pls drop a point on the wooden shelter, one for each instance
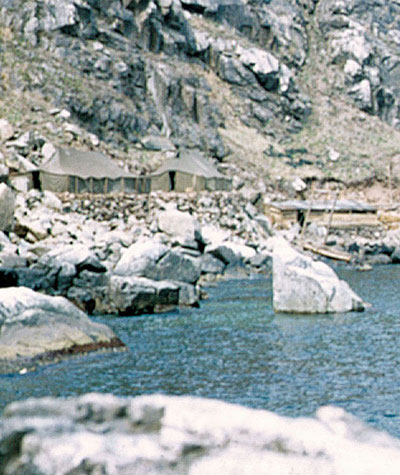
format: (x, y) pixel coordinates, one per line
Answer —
(190, 172)
(80, 171)
(331, 213)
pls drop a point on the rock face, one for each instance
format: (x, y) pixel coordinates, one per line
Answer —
(157, 434)
(36, 326)
(160, 76)
(302, 285)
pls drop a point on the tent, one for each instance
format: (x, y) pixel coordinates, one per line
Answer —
(80, 171)
(189, 172)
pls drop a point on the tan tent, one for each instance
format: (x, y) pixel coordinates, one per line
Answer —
(79, 171)
(190, 172)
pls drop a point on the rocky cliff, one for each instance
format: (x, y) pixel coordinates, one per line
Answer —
(271, 88)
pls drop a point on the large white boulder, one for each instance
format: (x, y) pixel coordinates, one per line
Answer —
(184, 227)
(302, 285)
(165, 435)
(137, 257)
(36, 325)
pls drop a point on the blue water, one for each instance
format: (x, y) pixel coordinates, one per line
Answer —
(235, 348)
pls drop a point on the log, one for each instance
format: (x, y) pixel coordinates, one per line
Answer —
(328, 252)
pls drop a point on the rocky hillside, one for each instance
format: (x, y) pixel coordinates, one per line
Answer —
(272, 89)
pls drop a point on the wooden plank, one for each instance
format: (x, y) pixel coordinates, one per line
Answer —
(328, 252)
(323, 206)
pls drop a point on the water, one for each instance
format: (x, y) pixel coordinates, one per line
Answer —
(235, 348)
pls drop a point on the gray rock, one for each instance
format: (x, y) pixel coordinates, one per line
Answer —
(65, 275)
(261, 260)
(73, 254)
(379, 259)
(175, 266)
(167, 435)
(157, 143)
(362, 94)
(265, 223)
(7, 208)
(6, 130)
(139, 256)
(12, 260)
(35, 325)
(301, 285)
(224, 253)
(179, 225)
(136, 295)
(395, 257)
(234, 72)
(212, 265)
(189, 294)
(264, 65)
(231, 253)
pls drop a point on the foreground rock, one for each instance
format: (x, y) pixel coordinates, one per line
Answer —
(302, 285)
(39, 327)
(158, 434)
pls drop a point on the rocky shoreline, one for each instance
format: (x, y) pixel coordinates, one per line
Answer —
(138, 254)
(133, 254)
(130, 254)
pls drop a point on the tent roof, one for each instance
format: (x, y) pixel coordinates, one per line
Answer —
(192, 163)
(83, 164)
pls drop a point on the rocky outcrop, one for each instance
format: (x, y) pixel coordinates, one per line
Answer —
(302, 285)
(185, 435)
(132, 255)
(36, 327)
(363, 38)
(154, 54)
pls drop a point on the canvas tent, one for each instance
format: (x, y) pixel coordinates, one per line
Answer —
(80, 171)
(190, 172)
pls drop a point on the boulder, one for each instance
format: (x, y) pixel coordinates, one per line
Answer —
(75, 254)
(379, 259)
(189, 294)
(180, 225)
(137, 295)
(157, 143)
(263, 64)
(231, 253)
(7, 207)
(36, 326)
(213, 235)
(302, 285)
(395, 257)
(165, 435)
(140, 255)
(175, 265)
(362, 94)
(6, 130)
(211, 265)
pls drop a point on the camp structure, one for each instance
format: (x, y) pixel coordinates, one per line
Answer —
(189, 172)
(331, 213)
(78, 171)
